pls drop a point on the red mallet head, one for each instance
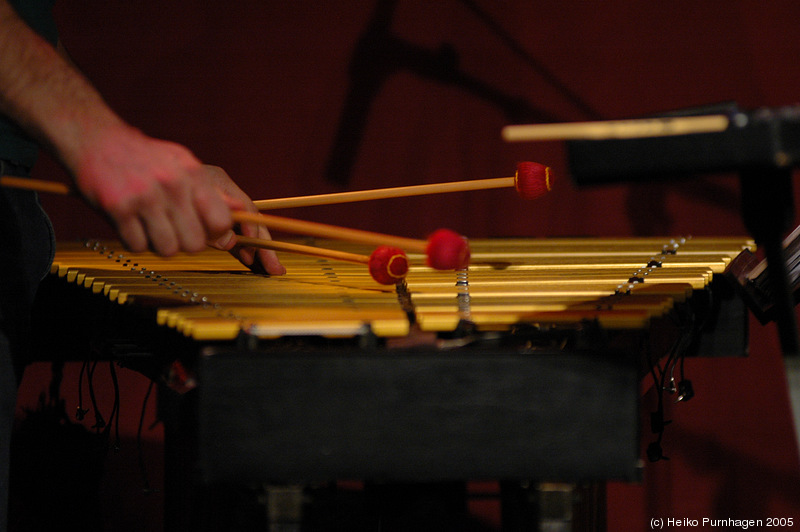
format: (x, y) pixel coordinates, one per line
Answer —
(447, 250)
(532, 180)
(388, 265)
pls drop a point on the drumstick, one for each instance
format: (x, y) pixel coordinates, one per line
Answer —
(617, 129)
(445, 249)
(37, 185)
(530, 181)
(387, 265)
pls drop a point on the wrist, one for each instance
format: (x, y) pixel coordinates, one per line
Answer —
(78, 138)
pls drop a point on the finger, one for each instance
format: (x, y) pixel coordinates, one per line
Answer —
(187, 224)
(132, 234)
(267, 257)
(237, 199)
(270, 262)
(258, 260)
(247, 254)
(160, 231)
(213, 210)
(225, 243)
(189, 230)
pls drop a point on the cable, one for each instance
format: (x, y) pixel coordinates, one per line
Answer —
(139, 446)
(81, 413)
(115, 410)
(99, 423)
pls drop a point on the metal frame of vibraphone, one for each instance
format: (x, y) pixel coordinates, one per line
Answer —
(542, 401)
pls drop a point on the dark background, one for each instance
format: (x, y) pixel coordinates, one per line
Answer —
(259, 87)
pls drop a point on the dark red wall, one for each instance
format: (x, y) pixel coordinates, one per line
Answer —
(258, 87)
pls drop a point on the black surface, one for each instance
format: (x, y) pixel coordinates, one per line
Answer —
(764, 138)
(419, 415)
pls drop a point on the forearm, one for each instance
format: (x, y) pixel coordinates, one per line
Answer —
(51, 100)
(156, 193)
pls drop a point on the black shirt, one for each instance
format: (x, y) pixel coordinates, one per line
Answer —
(16, 146)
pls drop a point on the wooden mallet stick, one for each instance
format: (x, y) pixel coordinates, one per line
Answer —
(387, 265)
(531, 181)
(445, 249)
(301, 249)
(37, 185)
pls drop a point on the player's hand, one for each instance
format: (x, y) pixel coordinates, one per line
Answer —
(158, 195)
(257, 259)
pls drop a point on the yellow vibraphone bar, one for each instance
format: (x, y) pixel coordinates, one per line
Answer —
(619, 283)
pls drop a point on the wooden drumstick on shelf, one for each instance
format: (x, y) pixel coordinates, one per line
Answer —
(387, 265)
(444, 249)
(617, 129)
(531, 181)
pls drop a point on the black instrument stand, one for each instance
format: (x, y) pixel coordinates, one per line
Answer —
(768, 212)
(763, 148)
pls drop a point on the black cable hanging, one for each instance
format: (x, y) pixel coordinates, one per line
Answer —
(140, 447)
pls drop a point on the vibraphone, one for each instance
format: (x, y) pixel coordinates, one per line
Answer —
(762, 146)
(526, 365)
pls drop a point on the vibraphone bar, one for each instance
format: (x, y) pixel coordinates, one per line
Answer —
(524, 366)
(619, 283)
